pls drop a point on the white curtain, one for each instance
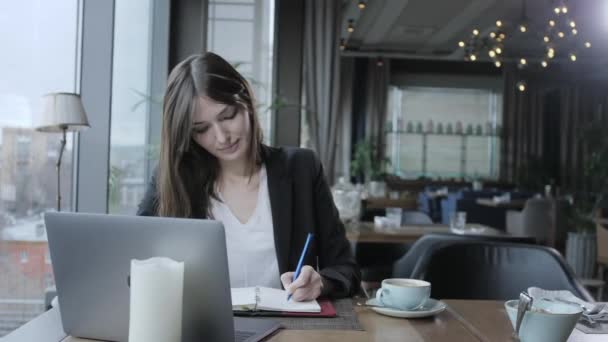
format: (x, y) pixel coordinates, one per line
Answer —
(322, 78)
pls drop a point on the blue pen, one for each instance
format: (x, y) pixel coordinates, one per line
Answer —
(299, 267)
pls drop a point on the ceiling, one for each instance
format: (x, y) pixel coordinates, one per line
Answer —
(431, 29)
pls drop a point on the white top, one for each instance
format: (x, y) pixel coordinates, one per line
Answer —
(252, 259)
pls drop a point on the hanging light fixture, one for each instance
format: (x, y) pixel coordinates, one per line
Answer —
(351, 27)
(523, 22)
(521, 86)
(361, 5)
(559, 32)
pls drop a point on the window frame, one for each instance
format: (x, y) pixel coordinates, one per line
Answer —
(396, 93)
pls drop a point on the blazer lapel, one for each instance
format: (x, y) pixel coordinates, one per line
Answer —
(280, 193)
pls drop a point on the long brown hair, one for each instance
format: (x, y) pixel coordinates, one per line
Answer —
(187, 172)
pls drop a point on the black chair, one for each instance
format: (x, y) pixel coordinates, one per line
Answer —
(415, 217)
(494, 270)
(404, 266)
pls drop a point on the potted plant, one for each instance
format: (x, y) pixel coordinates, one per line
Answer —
(368, 164)
(581, 246)
(581, 242)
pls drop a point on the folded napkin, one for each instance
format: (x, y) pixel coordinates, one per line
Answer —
(502, 198)
(565, 295)
(538, 293)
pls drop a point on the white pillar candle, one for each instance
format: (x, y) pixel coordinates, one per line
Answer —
(157, 286)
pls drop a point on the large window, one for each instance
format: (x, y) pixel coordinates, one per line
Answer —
(242, 32)
(444, 132)
(40, 55)
(136, 99)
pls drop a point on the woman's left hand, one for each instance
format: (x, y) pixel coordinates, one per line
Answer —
(307, 287)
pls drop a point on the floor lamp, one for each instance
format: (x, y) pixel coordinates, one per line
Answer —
(63, 112)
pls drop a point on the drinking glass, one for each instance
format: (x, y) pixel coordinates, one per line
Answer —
(458, 221)
(393, 216)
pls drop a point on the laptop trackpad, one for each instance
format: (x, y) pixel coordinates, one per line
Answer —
(253, 329)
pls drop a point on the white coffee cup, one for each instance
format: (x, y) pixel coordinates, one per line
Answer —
(403, 294)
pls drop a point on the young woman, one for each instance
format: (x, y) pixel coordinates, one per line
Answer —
(214, 165)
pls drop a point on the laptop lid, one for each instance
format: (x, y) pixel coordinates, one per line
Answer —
(91, 256)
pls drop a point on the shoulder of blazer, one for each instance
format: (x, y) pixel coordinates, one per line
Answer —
(292, 161)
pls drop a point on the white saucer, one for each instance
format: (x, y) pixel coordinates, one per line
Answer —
(430, 308)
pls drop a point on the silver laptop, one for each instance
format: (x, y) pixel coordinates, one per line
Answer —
(91, 255)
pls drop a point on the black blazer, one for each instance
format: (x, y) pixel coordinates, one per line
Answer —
(301, 202)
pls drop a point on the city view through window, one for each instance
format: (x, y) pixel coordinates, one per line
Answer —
(43, 59)
(45, 44)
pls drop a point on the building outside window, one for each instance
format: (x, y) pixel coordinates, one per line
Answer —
(41, 54)
(444, 132)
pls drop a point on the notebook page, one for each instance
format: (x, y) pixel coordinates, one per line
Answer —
(243, 298)
(276, 300)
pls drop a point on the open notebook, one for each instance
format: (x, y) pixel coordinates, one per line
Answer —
(268, 299)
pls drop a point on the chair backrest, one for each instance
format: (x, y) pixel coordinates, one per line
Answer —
(537, 219)
(415, 217)
(494, 270)
(404, 267)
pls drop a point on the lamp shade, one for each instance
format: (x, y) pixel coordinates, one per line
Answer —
(62, 111)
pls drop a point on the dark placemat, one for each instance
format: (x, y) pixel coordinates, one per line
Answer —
(346, 319)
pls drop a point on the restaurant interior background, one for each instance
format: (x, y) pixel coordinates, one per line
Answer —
(493, 108)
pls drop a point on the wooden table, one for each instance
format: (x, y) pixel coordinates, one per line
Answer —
(365, 232)
(382, 203)
(464, 320)
(516, 204)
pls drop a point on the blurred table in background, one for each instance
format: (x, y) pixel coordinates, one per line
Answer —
(515, 204)
(367, 232)
(409, 203)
